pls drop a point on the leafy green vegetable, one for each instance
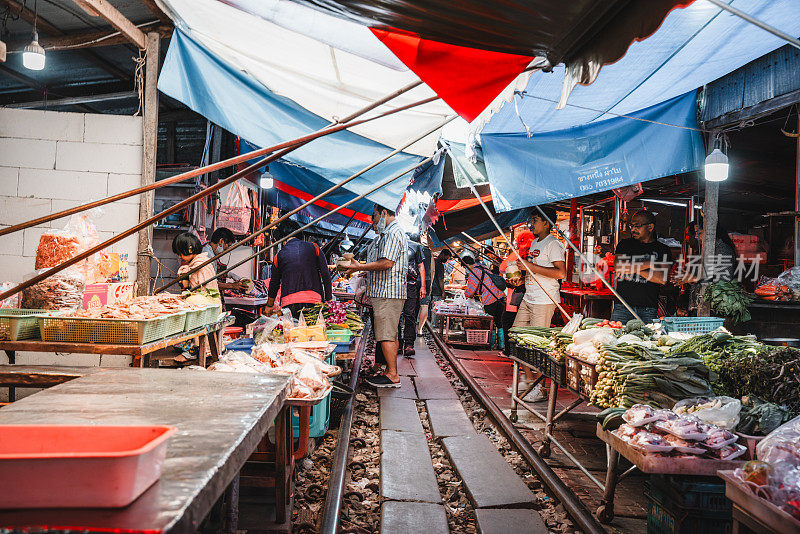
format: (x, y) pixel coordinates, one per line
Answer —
(729, 299)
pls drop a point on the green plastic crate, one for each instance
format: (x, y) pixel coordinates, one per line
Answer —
(211, 314)
(109, 331)
(16, 324)
(195, 319)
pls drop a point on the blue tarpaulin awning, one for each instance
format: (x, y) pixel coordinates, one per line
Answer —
(596, 157)
(240, 104)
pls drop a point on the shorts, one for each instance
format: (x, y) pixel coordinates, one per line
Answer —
(386, 315)
(534, 314)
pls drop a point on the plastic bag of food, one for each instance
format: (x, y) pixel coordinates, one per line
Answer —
(80, 234)
(268, 353)
(650, 443)
(13, 300)
(304, 357)
(267, 330)
(243, 361)
(62, 291)
(783, 443)
(640, 415)
(719, 411)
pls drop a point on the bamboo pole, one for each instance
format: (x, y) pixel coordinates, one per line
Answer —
(293, 144)
(306, 204)
(194, 198)
(321, 217)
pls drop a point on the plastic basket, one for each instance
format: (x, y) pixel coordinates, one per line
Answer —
(211, 314)
(18, 324)
(342, 346)
(692, 325)
(320, 414)
(195, 319)
(581, 376)
(109, 331)
(478, 337)
(665, 515)
(339, 335)
(556, 370)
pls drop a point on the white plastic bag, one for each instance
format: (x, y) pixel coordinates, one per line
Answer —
(235, 213)
(719, 411)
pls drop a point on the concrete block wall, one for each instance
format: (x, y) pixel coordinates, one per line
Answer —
(51, 161)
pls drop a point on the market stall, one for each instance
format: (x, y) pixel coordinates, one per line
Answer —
(190, 483)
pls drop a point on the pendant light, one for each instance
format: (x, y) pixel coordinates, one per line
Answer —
(716, 167)
(266, 181)
(33, 53)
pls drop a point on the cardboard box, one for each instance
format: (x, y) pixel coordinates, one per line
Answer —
(96, 295)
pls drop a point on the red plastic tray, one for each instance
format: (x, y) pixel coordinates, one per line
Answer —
(55, 466)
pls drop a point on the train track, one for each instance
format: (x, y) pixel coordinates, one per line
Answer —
(336, 512)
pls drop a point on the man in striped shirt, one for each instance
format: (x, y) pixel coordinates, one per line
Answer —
(387, 267)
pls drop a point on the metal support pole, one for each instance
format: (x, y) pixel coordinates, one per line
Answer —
(797, 201)
(709, 235)
(755, 22)
(617, 210)
(582, 243)
(149, 144)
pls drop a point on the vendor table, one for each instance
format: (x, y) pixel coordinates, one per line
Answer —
(254, 304)
(771, 319)
(449, 335)
(651, 464)
(588, 302)
(207, 334)
(220, 419)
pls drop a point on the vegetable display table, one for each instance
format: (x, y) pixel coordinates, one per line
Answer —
(221, 418)
(550, 417)
(207, 335)
(650, 464)
(252, 304)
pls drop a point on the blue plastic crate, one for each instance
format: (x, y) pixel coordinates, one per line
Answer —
(692, 325)
(342, 346)
(243, 344)
(320, 414)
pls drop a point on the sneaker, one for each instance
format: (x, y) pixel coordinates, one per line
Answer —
(537, 394)
(522, 385)
(382, 381)
(409, 351)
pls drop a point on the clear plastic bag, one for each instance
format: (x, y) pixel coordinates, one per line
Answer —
(264, 330)
(783, 443)
(13, 300)
(62, 291)
(307, 383)
(718, 411)
(80, 234)
(244, 363)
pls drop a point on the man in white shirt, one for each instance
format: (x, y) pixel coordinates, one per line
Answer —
(546, 261)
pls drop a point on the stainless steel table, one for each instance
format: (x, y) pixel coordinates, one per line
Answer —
(220, 417)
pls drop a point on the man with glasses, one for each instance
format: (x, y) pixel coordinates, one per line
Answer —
(641, 265)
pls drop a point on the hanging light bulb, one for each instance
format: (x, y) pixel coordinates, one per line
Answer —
(716, 166)
(346, 243)
(33, 54)
(266, 181)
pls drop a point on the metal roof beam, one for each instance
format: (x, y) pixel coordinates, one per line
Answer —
(47, 28)
(116, 19)
(33, 84)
